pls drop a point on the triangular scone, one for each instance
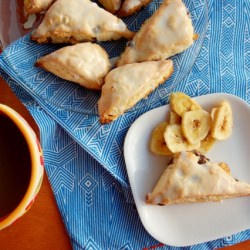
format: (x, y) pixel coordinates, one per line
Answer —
(191, 177)
(167, 32)
(129, 7)
(111, 5)
(72, 21)
(126, 85)
(83, 63)
(36, 6)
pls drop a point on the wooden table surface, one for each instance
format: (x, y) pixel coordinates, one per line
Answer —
(41, 228)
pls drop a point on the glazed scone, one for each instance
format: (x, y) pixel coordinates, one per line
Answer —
(73, 21)
(111, 5)
(84, 63)
(167, 32)
(190, 177)
(126, 85)
(129, 7)
(36, 6)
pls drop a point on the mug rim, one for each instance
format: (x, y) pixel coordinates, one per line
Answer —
(31, 140)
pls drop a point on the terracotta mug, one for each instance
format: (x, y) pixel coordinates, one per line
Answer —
(21, 166)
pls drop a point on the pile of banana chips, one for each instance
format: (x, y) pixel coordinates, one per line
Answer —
(190, 127)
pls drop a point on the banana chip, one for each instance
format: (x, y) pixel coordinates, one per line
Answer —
(190, 127)
(222, 122)
(207, 143)
(213, 111)
(157, 143)
(196, 125)
(174, 118)
(176, 141)
(181, 103)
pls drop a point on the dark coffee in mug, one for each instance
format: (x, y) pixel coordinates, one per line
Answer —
(15, 165)
(21, 166)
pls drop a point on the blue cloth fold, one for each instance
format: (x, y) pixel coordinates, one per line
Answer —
(84, 160)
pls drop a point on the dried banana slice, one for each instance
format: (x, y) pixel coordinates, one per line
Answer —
(181, 103)
(207, 144)
(174, 118)
(176, 141)
(223, 122)
(213, 111)
(195, 125)
(157, 143)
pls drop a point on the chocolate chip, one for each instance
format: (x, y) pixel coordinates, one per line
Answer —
(203, 159)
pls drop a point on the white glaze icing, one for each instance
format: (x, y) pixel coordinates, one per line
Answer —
(80, 18)
(125, 86)
(186, 180)
(167, 32)
(84, 63)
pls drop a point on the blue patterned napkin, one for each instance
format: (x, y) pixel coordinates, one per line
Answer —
(84, 160)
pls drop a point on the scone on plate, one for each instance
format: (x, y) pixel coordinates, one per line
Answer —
(167, 32)
(73, 21)
(128, 84)
(130, 7)
(111, 5)
(36, 6)
(84, 63)
(191, 177)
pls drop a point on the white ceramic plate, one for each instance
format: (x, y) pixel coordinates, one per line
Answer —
(188, 224)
